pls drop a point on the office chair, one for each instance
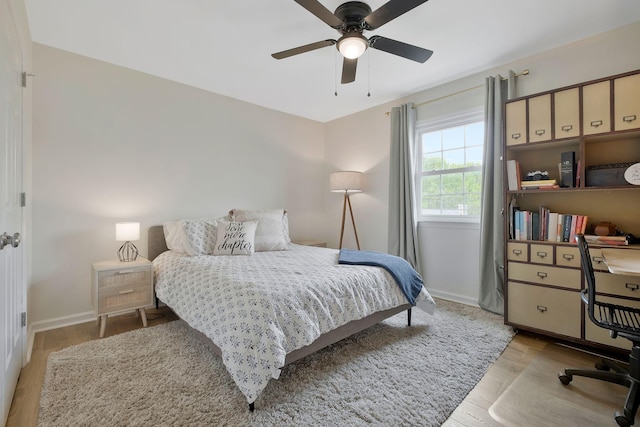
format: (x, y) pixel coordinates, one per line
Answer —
(621, 321)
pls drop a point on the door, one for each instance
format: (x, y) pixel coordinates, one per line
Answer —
(12, 294)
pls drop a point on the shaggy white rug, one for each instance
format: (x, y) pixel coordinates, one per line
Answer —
(388, 375)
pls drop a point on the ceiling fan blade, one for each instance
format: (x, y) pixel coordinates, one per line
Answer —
(321, 12)
(405, 50)
(390, 10)
(302, 49)
(349, 70)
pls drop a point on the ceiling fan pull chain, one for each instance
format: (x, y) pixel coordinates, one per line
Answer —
(335, 74)
(369, 74)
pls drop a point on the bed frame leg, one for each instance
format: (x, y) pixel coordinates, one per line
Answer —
(252, 406)
(409, 316)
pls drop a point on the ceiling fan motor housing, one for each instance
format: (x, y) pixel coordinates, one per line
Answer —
(352, 14)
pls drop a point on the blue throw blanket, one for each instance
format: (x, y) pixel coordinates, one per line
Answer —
(405, 276)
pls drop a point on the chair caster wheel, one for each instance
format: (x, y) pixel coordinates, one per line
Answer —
(622, 420)
(564, 378)
(602, 367)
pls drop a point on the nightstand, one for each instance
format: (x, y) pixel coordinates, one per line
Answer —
(118, 287)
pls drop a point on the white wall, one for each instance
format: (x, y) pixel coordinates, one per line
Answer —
(361, 142)
(113, 144)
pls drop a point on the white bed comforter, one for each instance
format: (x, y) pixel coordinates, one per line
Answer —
(258, 308)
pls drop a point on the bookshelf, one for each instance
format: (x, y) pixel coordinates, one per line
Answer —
(596, 125)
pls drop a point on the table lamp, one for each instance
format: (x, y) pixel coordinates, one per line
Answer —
(125, 232)
(347, 182)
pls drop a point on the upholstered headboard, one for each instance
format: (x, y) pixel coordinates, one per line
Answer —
(155, 241)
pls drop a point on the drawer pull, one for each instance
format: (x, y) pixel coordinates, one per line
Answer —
(541, 308)
(567, 128)
(568, 257)
(596, 123)
(516, 136)
(629, 119)
(542, 254)
(540, 132)
(542, 274)
(124, 271)
(128, 291)
(632, 286)
(517, 251)
(597, 259)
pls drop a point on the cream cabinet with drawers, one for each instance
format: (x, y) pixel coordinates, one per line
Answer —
(599, 121)
(118, 287)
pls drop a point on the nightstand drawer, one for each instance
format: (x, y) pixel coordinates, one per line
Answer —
(123, 277)
(124, 298)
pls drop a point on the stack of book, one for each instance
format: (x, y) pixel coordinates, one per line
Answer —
(592, 239)
(542, 184)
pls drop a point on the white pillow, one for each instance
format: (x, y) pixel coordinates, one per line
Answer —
(235, 238)
(174, 236)
(270, 234)
(200, 235)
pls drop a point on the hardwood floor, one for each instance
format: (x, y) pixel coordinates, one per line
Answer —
(520, 389)
(26, 399)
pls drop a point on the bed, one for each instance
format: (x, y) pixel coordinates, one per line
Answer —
(264, 311)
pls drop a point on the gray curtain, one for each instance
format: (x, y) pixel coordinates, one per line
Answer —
(403, 235)
(492, 216)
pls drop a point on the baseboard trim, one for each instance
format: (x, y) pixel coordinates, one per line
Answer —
(60, 322)
(453, 297)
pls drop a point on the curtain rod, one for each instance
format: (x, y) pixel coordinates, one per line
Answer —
(523, 73)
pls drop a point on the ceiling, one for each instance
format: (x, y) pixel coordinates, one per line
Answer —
(225, 46)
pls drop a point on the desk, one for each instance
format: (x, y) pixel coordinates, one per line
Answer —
(622, 261)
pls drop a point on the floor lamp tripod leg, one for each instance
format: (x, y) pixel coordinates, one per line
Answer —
(344, 210)
(353, 221)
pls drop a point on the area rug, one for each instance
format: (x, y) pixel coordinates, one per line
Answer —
(390, 374)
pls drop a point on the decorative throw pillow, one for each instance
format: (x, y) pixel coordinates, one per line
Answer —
(200, 235)
(235, 238)
(270, 234)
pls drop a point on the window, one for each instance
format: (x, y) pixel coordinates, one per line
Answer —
(449, 166)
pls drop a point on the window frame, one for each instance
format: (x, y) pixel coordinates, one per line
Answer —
(473, 115)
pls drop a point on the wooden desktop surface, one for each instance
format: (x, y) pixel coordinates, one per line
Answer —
(622, 261)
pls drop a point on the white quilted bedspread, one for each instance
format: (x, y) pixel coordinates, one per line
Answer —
(257, 308)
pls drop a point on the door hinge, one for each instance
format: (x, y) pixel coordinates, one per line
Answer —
(23, 319)
(24, 78)
(23, 199)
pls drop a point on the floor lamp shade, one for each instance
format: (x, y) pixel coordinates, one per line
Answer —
(125, 232)
(347, 182)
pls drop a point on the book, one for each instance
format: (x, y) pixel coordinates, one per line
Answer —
(568, 169)
(540, 184)
(512, 175)
(566, 227)
(552, 229)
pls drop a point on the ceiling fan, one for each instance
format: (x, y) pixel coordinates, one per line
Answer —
(352, 19)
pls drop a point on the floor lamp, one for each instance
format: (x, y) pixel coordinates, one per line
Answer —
(347, 182)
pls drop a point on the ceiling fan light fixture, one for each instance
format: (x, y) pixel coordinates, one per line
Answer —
(352, 46)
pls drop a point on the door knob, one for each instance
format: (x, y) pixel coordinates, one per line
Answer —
(7, 239)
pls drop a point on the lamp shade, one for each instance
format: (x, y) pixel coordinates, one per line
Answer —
(348, 181)
(127, 231)
(352, 46)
